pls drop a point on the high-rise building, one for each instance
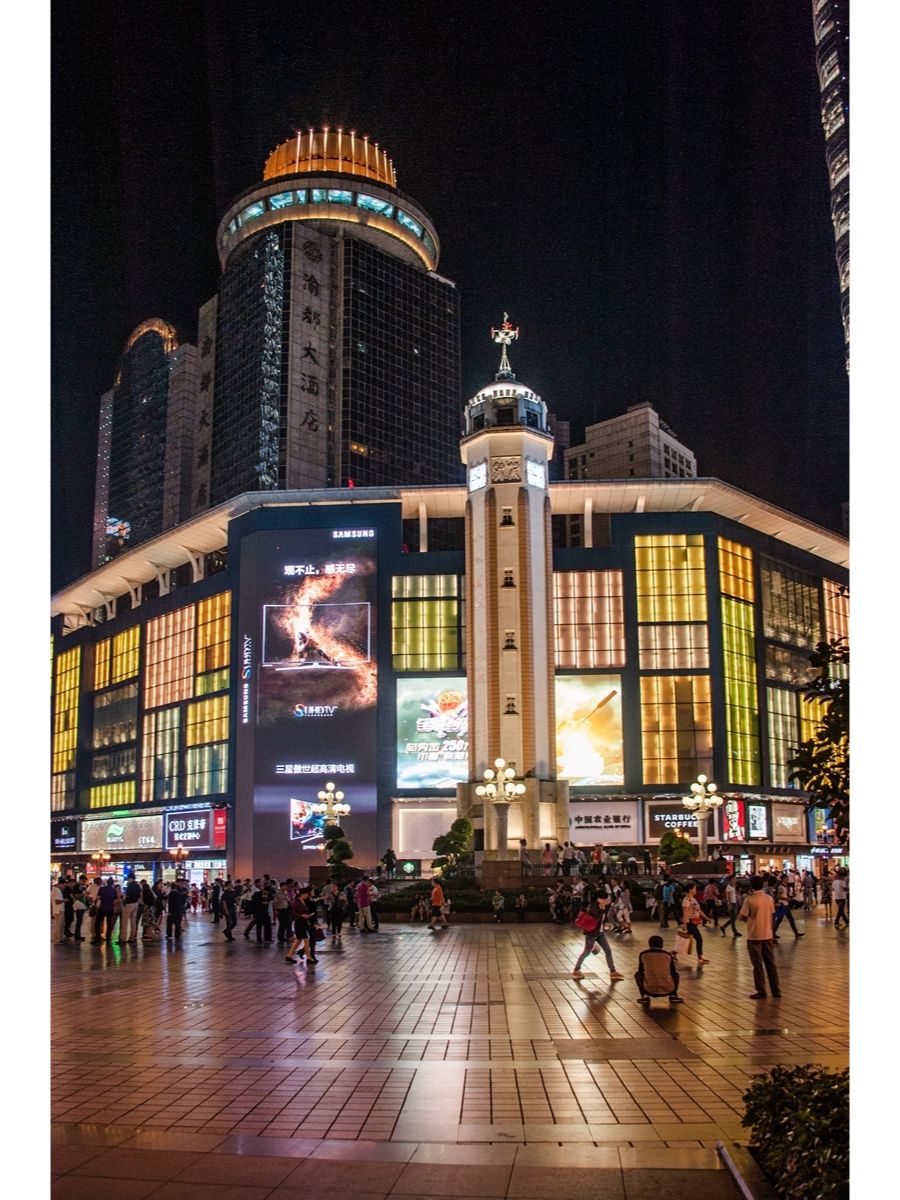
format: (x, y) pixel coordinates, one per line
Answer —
(336, 350)
(144, 451)
(831, 27)
(329, 356)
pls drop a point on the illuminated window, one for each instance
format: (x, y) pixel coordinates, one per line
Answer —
(126, 649)
(207, 721)
(426, 623)
(790, 602)
(213, 681)
(837, 611)
(407, 222)
(375, 205)
(207, 770)
(783, 734)
(670, 575)
(673, 647)
(736, 570)
(282, 200)
(102, 662)
(336, 196)
(214, 633)
(65, 709)
(62, 792)
(105, 795)
(252, 210)
(115, 717)
(159, 755)
(429, 243)
(589, 618)
(676, 727)
(118, 765)
(787, 666)
(169, 673)
(741, 703)
(811, 713)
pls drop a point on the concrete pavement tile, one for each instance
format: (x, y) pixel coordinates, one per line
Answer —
(65, 1158)
(362, 1151)
(680, 1185)
(256, 1170)
(660, 1158)
(339, 1176)
(185, 1189)
(89, 1187)
(624, 1133)
(450, 1154)
(573, 1183)
(567, 1156)
(119, 1163)
(437, 1179)
(89, 1135)
(172, 1139)
(278, 1147)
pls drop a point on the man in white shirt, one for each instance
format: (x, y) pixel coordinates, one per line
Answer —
(840, 891)
(57, 912)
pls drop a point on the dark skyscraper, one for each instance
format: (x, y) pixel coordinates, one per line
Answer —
(832, 33)
(336, 356)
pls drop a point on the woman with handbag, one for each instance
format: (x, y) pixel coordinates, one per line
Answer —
(693, 918)
(588, 921)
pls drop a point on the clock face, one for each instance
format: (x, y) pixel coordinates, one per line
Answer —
(477, 476)
(535, 474)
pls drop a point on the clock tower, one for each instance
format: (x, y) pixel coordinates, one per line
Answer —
(506, 450)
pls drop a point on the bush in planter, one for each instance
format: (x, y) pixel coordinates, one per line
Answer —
(800, 1117)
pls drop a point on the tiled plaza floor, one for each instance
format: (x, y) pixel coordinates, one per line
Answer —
(462, 1063)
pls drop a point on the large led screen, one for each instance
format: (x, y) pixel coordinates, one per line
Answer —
(311, 651)
(432, 732)
(589, 730)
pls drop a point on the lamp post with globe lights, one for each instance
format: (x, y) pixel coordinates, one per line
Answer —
(500, 788)
(331, 803)
(702, 801)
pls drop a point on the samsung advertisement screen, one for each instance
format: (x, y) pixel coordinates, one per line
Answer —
(314, 714)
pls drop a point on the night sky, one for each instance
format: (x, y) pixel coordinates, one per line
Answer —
(641, 186)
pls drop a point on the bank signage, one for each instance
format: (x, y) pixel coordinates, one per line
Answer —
(594, 821)
(667, 817)
(123, 833)
(64, 837)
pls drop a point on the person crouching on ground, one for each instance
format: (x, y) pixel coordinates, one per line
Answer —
(594, 941)
(656, 974)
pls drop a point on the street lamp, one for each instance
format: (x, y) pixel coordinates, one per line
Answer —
(100, 857)
(331, 803)
(501, 788)
(702, 803)
(179, 854)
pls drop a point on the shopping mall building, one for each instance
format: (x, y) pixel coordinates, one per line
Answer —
(209, 682)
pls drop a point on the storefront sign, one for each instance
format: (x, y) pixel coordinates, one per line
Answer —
(664, 818)
(788, 823)
(64, 837)
(189, 827)
(408, 868)
(593, 820)
(123, 833)
(220, 828)
(744, 820)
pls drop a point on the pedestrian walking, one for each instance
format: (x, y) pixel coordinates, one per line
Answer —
(758, 910)
(437, 904)
(521, 906)
(668, 902)
(215, 901)
(841, 893)
(827, 891)
(281, 906)
(731, 908)
(595, 940)
(363, 902)
(301, 912)
(228, 908)
(548, 859)
(57, 913)
(130, 911)
(176, 902)
(79, 905)
(692, 918)
(783, 909)
(106, 904)
(710, 902)
(374, 895)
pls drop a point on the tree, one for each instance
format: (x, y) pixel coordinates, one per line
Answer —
(676, 849)
(453, 848)
(337, 849)
(821, 764)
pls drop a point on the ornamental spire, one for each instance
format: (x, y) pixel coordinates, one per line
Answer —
(504, 336)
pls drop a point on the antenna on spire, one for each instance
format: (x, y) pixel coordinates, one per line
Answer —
(505, 336)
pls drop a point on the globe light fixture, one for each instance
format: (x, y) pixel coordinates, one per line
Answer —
(331, 803)
(500, 788)
(702, 801)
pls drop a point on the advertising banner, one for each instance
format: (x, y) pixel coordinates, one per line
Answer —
(788, 823)
(309, 648)
(663, 817)
(191, 827)
(123, 833)
(432, 732)
(589, 730)
(744, 820)
(758, 822)
(594, 821)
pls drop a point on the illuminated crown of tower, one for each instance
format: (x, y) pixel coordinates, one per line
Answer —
(334, 151)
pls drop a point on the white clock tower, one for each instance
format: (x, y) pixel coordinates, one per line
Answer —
(509, 612)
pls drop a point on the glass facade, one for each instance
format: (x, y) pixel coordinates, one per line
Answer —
(787, 666)
(138, 438)
(736, 570)
(589, 616)
(783, 734)
(160, 755)
(115, 717)
(213, 633)
(676, 728)
(401, 416)
(670, 574)
(207, 721)
(207, 770)
(790, 601)
(169, 673)
(106, 795)
(426, 623)
(66, 679)
(741, 700)
(673, 647)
